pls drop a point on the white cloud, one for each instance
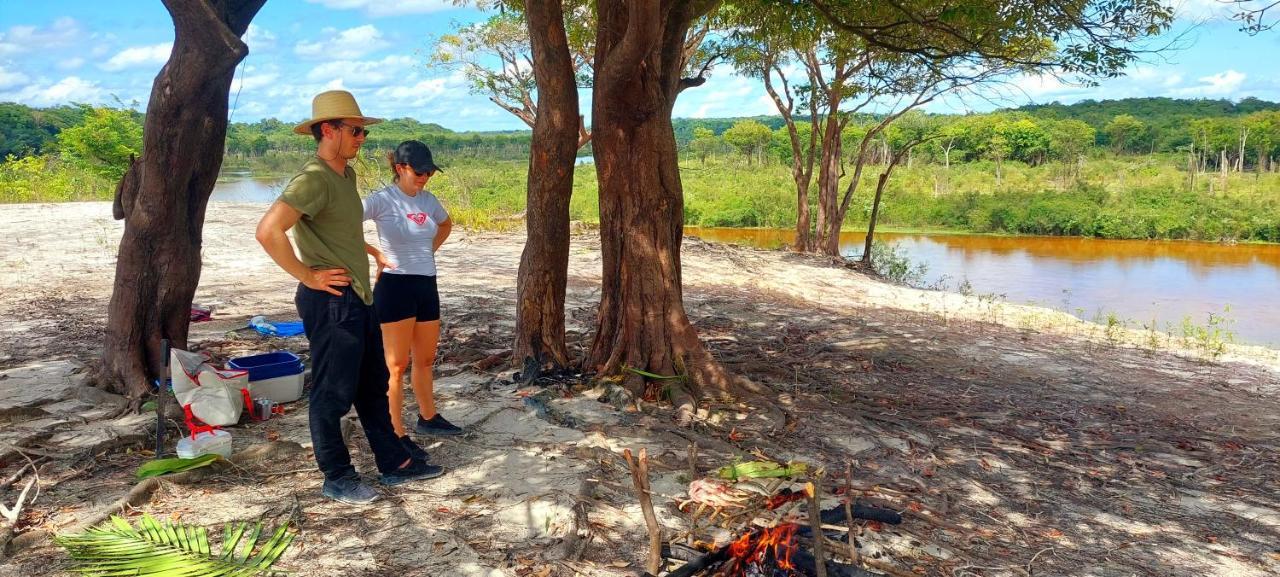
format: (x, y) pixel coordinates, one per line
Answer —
(1222, 84)
(259, 39)
(378, 8)
(10, 79)
(348, 44)
(70, 63)
(69, 89)
(20, 39)
(253, 82)
(364, 73)
(728, 95)
(154, 55)
(418, 94)
(1172, 80)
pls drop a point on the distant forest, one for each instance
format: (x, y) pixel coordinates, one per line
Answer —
(1146, 125)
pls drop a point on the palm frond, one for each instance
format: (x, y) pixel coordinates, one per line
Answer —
(162, 549)
(156, 467)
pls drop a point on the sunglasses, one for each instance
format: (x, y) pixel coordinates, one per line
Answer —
(356, 131)
(421, 174)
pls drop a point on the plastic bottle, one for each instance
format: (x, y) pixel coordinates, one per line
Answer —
(215, 441)
(260, 322)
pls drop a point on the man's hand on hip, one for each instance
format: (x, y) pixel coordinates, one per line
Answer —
(326, 279)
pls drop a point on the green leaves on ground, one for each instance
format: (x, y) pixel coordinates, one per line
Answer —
(158, 467)
(760, 469)
(163, 549)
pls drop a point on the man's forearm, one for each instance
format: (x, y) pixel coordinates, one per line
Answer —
(278, 247)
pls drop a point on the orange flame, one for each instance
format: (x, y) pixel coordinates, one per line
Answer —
(773, 545)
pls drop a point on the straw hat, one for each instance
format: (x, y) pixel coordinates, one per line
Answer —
(333, 105)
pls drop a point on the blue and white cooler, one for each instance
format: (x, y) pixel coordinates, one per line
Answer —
(276, 376)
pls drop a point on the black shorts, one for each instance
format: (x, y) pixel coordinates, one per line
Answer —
(397, 297)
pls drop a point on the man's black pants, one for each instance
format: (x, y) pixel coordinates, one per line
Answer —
(347, 367)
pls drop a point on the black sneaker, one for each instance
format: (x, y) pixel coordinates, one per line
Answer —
(350, 490)
(415, 451)
(437, 425)
(415, 471)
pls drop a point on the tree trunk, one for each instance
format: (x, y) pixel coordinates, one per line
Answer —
(875, 204)
(163, 201)
(829, 172)
(544, 264)
(641, 322)
(802, 154)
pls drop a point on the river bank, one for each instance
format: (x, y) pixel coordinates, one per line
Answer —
(1015, 439)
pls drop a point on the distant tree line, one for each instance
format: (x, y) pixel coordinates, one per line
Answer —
(1216, 135)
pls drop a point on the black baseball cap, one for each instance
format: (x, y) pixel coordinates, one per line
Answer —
(416, 154)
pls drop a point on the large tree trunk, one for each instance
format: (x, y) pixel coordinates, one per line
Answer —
(829, 172)
(641, 322)
(163, 200)
(540, 284)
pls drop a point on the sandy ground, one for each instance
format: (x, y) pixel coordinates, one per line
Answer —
(1015, 440)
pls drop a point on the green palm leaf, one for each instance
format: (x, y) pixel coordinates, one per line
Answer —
(161, 549)
(157, 467)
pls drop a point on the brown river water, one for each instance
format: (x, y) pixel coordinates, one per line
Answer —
(1137, 281)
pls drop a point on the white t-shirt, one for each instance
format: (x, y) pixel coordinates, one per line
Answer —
(407, 227)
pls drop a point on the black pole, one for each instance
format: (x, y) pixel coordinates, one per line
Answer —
(161, 392)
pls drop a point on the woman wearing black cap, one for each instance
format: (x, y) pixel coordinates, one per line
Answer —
(412, 224)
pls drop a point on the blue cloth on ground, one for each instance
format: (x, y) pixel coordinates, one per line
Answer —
(278, 329)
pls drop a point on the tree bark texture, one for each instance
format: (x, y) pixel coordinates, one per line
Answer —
(829, 173)
(163, 198)
(540, 284)
(641, 322)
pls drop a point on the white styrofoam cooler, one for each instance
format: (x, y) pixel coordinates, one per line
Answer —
(284, 389)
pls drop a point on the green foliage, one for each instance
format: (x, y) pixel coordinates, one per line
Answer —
(46, 178)
(749, 137)
(704, 143)
(895, 266)
(28, 131)
(155, 548)
(1125, 133)
(157, 467)
(103, 142)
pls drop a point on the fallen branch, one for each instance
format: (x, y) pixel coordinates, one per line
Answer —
(137, 496)
(640, 477)
(575, 543)
(4, 486)
(11, 515)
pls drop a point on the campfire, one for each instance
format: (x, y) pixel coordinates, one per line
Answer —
(773, 512)
(764, 553)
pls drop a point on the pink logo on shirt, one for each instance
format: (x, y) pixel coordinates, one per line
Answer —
(418, 217)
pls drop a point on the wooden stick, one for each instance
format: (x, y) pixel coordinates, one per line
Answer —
(693, 460)
(815, 522)
(640, 477)
(848, 511)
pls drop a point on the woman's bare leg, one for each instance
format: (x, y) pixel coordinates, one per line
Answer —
(397, 340)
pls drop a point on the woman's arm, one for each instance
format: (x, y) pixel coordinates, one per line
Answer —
(378, 258)
(442, 232)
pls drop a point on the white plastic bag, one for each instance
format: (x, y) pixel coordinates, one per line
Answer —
(214, 396)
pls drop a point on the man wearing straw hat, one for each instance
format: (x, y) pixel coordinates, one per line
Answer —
(334, 300)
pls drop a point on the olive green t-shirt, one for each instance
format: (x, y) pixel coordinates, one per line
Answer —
(330, 233)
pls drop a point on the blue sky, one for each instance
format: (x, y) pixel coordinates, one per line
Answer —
(100, 52)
